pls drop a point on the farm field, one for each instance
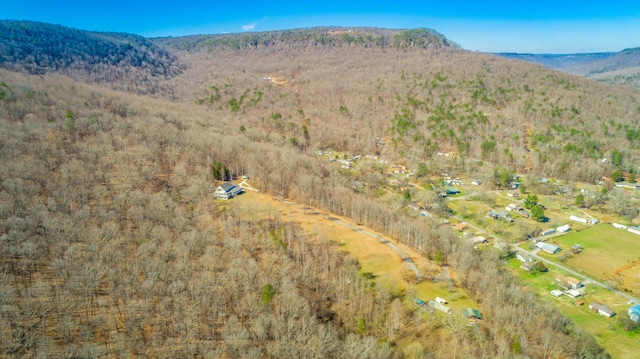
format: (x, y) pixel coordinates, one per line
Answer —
(606, 250)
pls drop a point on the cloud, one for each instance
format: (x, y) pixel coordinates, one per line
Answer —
(249, 27)
(252, 26)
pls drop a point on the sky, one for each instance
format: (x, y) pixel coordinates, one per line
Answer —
(487, 26)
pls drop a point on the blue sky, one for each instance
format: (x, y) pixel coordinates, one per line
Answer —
(512, 26)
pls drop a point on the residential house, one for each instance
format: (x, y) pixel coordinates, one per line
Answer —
(228, 190)
(528, 266)
(439, 306)
(578, 219)
(563, 229)
(573, 293)
(513, 194)
(502, 245)
(569, 282)
(621, 226)
(602, 309)
(525, 258)
(460, 226)
(500, 216)
(547, 232)
(634, 313)
(452, 191)
(479, 240)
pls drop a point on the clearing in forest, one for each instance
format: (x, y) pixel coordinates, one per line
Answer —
(375, 258)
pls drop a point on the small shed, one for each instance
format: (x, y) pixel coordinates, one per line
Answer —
(563, 229)
(471, 313)
(634, 313)
(556, 293)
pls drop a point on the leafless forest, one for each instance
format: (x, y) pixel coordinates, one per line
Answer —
(111, 244)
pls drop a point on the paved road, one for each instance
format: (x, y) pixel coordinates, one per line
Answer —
(557, 265)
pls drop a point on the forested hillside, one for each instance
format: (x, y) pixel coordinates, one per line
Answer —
(483, 109)
(123, 61)
(112, 244)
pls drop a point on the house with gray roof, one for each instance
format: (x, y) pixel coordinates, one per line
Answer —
(228, 190)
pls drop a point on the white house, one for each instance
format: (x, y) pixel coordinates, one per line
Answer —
(439, 306)
(617, 225)
(633, 230)
(563, 229)
(228, 190)
(569, 282)
(525, 258)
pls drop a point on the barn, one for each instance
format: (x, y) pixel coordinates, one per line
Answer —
(548, 247)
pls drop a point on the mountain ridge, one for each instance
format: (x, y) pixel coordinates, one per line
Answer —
(130, 62)
(608, 67)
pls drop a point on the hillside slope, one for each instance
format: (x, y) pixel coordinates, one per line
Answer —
(411, 103)
(123, 61)
(112, 245)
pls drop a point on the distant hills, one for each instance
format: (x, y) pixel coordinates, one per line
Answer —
(314, 37)
(610, 67)
(125, 61)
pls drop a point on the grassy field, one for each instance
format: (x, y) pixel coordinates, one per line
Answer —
(606, 249)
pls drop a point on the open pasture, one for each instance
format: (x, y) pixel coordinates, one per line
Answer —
(610, 254)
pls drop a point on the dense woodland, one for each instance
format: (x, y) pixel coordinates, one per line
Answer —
(111, 244)
(122, 61)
